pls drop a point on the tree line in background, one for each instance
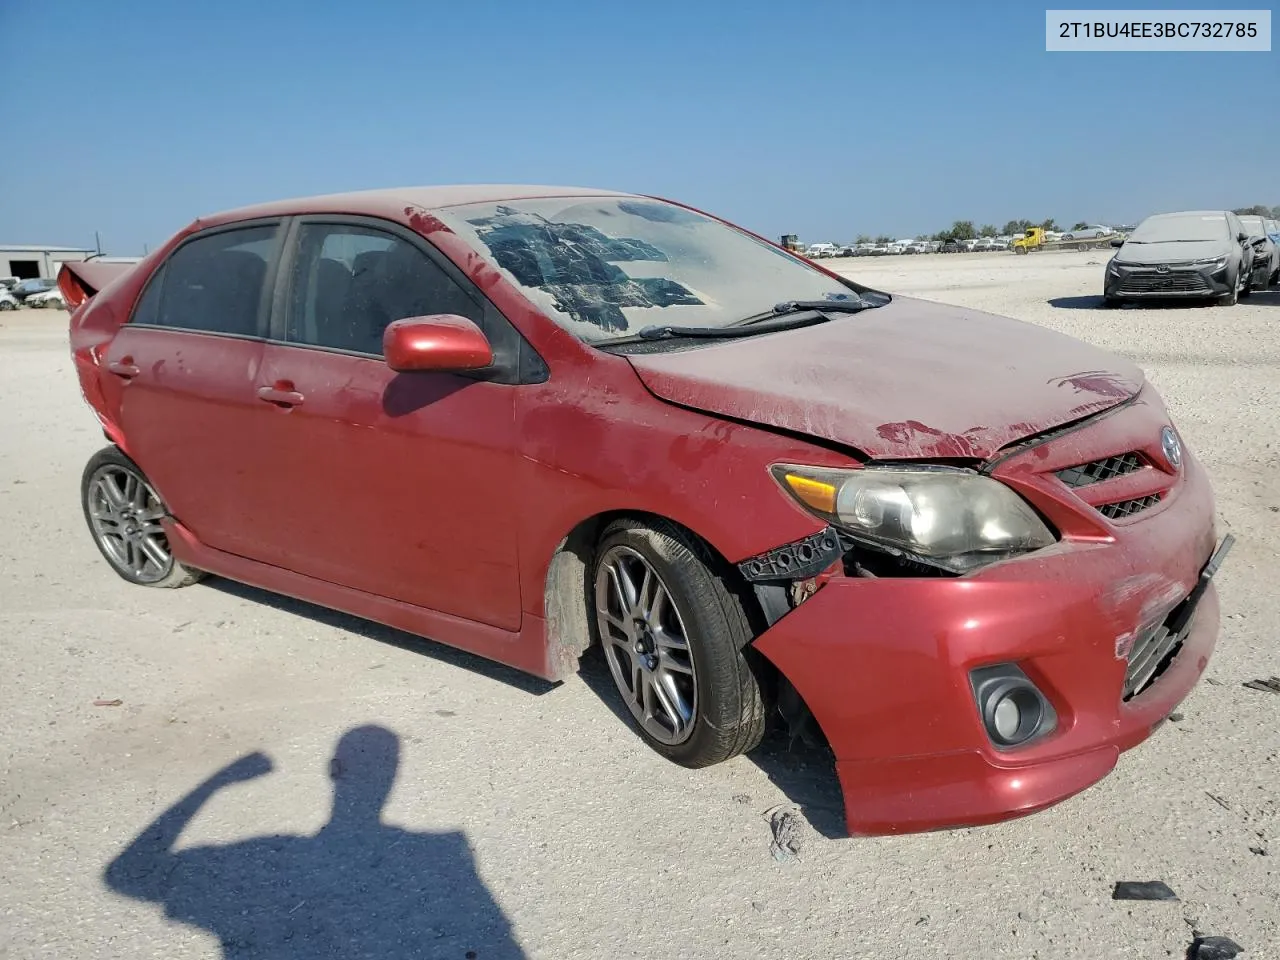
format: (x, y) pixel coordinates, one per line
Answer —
(965, 230)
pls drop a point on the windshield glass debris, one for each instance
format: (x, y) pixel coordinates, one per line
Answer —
(604, 267)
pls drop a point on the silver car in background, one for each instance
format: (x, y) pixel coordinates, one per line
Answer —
(1194, 254)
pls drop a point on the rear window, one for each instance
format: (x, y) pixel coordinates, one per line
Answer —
(212, 284)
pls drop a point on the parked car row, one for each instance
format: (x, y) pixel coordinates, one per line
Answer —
(818, 251)
(38, 292)
(1194, 254)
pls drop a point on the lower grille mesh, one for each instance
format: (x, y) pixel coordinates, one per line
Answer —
(1127, 508)
(1175, 281)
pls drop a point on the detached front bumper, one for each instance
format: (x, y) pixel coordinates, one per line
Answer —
(884, 666)
(1158, 282)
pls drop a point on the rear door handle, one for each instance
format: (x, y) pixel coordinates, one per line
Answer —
(282, 394)
(123, 368)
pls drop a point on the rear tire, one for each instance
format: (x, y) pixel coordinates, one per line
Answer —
(675, 633)
(123, 512)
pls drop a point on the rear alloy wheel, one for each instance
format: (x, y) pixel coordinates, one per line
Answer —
(124, 513)
(674, 636)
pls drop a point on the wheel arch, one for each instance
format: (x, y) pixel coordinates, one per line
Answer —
(567, 600)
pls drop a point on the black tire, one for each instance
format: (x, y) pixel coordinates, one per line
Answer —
(729, 708)
(112, 461)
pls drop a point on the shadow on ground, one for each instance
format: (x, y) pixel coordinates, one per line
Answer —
(357, 888)
(1269, 297)
(804, 773)
(383, 634)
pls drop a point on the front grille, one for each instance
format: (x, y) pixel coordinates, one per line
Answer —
(1127, 508)
(1175, 281)
(1157, 647)
(1099, 470)
(1151, 655)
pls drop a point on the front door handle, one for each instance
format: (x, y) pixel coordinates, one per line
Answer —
(281, 394)
(123, 368)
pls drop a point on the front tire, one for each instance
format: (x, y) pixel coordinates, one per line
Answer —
(123, 512)
(674, 633)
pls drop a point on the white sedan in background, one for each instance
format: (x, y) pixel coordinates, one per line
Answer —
(1091, 232)
(50, 299)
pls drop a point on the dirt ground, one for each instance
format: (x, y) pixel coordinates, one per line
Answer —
(527, 820)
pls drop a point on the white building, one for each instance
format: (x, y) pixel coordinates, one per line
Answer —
(28, 261)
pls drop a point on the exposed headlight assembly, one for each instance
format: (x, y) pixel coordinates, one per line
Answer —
(950, 518)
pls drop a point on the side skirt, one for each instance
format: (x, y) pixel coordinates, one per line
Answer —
(524, 650)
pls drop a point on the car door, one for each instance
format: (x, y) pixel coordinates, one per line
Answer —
(396, 484)
(181, 375)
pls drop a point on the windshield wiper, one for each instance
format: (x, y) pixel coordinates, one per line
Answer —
(801, 318)
(789, 307)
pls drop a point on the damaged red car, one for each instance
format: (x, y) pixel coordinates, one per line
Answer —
(525, 421)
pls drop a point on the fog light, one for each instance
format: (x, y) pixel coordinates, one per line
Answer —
(1006, 718)
(1013, 711)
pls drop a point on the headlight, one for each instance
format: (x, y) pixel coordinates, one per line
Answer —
(1214, 262)
(950, 518)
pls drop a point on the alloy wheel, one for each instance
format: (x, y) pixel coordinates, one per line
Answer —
(646, 644)
(125, 513)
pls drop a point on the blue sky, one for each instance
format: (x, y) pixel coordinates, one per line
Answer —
(827, 119)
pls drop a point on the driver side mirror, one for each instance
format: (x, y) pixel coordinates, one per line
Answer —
(442, 342)
(1117, 242)
(1242, 237)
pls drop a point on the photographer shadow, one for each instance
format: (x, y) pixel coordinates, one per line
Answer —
(357, 888)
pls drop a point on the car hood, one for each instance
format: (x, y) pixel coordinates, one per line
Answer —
(1172, 251)
(911, 379)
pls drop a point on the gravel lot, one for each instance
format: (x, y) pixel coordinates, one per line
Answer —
(527, 820)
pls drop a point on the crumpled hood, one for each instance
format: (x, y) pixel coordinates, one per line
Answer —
(911, 379)
(1173, 251)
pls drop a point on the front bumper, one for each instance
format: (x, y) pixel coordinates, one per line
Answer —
(1174, 281)
(883, 664)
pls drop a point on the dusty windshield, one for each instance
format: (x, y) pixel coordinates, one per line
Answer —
(1190, 228)
(604, 267)
(1253, 226)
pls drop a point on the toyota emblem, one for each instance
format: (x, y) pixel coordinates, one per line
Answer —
(1171, 446)
(1163, 268)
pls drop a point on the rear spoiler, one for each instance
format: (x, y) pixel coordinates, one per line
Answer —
(80, 280)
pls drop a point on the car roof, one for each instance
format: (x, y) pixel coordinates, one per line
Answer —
(393, 201)
(1188, 213)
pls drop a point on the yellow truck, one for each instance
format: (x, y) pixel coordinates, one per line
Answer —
(1034, 239)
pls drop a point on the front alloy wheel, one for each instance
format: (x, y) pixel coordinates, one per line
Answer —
(646, 645)
(675, 632)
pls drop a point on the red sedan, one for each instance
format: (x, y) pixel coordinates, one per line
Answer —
(527, 420)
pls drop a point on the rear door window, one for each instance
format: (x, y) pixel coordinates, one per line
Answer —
(348, 282)
(213, 284)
